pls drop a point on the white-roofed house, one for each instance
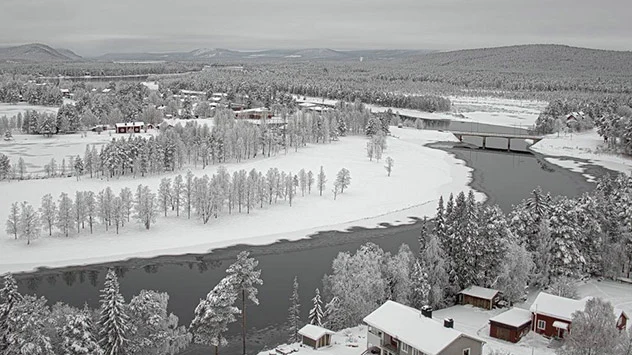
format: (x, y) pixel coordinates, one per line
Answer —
(511, 325)
(479, 297)
(130, 127)
(315, 336)
(401, 330)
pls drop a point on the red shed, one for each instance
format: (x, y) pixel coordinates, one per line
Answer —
(511, 325)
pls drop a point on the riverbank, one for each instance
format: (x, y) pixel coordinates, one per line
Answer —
(588, 147)
(372, 199)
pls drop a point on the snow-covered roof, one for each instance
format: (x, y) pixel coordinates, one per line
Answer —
(560, 325)
(314, 332)
(192, 92)
(515, 317)
(556, 306)
(480, 292)
(409, 326)
(258, 109)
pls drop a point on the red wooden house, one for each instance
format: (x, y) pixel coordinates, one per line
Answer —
(552, 315)
(130, 127)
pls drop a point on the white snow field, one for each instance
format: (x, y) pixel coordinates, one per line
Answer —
(37, 150)
(11, 110)
(420, 176)
(351, 341)
(486, 110)
(585, 145)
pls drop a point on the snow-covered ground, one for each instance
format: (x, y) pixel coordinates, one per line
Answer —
(585, 145)
(350, 341)
(37, 150)
(486, 110)
(11, 110)
(419, 177)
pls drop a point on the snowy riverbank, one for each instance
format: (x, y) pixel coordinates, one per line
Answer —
(420, 176)
(587, 146)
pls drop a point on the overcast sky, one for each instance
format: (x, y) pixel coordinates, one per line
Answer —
(92, 27)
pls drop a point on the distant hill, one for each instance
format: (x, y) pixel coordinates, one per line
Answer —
(218, 54)
(531, 58)
(36, 52)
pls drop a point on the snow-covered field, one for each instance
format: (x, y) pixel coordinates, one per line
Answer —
(37, 150)
(585, 145)
(419, 177)
(351, 341)
(11, 110)
(487, 110)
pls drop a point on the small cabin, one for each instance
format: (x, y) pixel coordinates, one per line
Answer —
(315, 336)
(511, 325)
(129, 127)
(479, 297)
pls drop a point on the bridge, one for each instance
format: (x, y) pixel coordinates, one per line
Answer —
(508, 136)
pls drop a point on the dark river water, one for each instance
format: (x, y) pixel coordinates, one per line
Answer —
(506, 178)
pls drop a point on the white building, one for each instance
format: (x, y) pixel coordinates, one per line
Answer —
(401, 330)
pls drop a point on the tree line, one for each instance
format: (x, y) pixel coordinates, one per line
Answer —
(141, 326)
(203, 197)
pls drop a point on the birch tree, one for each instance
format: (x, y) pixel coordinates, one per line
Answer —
(13, 220)
(48, 212)
(29, 223)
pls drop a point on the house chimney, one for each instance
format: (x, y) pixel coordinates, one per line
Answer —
(426, 311)
(448, 323)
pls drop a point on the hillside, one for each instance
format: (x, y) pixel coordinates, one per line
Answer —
(531, 58)
(36, 52)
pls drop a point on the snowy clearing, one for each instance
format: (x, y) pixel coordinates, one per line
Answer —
(37, 150)
(585, 145)
(420, 176)
(11, 110)
(351, 341)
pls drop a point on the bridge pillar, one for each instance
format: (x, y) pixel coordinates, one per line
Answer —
(460, 138)
(484, 142)
(508, 144)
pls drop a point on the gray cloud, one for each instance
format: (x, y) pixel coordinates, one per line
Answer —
(93, 27)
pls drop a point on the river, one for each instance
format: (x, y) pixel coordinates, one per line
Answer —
(506, 178)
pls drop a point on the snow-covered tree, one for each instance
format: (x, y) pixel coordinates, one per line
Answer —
(390, 162)
(114, 323)
(358, 283)
(90, 204)
(177, 191)
(343, 179)
(78, 167)
(80, 210)
(294, 315)
(310, 181)
(594, 330)
(398, 272)
(29, 223)
(214, 314)
(188, 192)
(145, 206)
(13, 221)
(302, 181)
(316, 314)
(154, 330)
(26, 323)
(419, 287)
(9, 298)
(127, 202)
(564, 287)
(78, 336)
(434, 266)
(65, 216)
(515, 273)
(245, 277)
(322, 180)
(164, 194)
(118, 215)
(48, 212)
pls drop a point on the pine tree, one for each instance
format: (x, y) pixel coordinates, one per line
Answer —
(214, 314)
(316, 313)
(78, 336)
(9, 298)
(113, 321)
(294, 314)
(322, 179)
(13, 220)
(245, 278)
(26, 323)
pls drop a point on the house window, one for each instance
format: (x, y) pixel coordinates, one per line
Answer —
(466, 351)
(405, 348)
(541, 324)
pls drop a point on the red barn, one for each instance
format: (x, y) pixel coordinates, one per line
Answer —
(130, 127)
(511, 325)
